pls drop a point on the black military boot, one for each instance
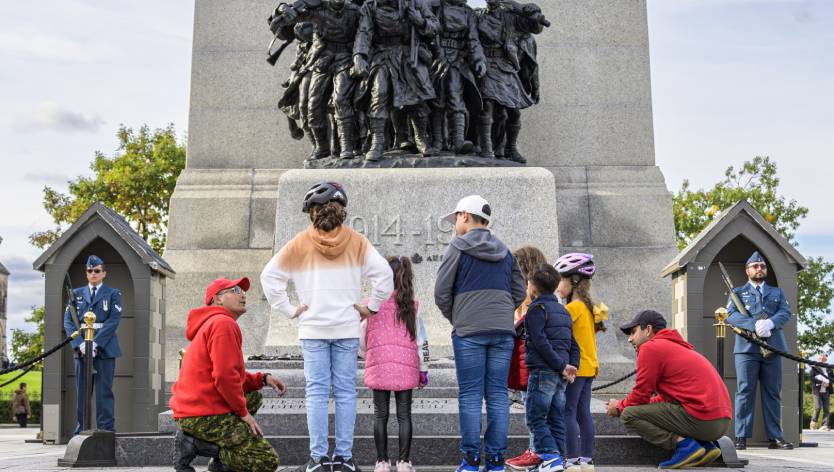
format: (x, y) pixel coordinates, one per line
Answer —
(346, 138)
(437, 121)
(458, 127)
(421, 135)
(184, 452)
(322, 147)
(215, 465)
(485, 137)
(374, 154)
(512, 153)
(399, 121)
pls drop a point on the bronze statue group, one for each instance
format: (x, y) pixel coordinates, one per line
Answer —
(424, 76)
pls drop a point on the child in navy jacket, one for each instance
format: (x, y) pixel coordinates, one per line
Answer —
(552, 357)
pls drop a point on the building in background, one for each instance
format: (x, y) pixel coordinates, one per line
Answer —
(4, 289)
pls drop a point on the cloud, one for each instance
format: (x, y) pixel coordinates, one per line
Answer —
(49, 116)
(21, 271)
(46, 177)
(35, 45)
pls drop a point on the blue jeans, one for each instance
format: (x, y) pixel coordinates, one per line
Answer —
(546, 411)
(326, 362)
(580, 423)
(482, 365)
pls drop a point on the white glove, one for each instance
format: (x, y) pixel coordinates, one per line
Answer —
(95, 349)
(82, 347)
(763, 328)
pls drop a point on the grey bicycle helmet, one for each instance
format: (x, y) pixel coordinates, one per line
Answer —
(322, 193)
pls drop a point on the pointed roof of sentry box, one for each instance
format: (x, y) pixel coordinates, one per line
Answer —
(718, 224)
(121, 227)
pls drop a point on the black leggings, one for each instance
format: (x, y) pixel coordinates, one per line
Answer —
(382, 400)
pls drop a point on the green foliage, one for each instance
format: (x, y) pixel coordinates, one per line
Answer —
(757, 182)
(137, 182)
(6, 411)
(816, 291)
(27, 345)
(33, 380)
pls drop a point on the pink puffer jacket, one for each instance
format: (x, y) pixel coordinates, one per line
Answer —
(391, 360)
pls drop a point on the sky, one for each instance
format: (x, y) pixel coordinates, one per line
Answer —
(731, 79)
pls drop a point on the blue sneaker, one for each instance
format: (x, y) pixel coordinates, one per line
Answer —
(470, 464)
(711, 453)
(686, 452)
(551, 463)
(495, 464)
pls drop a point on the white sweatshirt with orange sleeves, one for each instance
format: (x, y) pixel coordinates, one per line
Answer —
(327, 269)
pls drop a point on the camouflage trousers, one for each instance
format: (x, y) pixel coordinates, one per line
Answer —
(240, 450)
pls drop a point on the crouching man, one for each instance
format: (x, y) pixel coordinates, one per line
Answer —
(679, 402)
(214, 399)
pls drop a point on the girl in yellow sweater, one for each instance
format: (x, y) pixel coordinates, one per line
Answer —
(576, 270)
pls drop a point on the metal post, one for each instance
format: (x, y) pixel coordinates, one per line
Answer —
(720, 333)
(89, 334)
(801, 374)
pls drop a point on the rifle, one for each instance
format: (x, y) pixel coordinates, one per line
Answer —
(273, 56)
(71, 300)
(415, 45)
(725, 276)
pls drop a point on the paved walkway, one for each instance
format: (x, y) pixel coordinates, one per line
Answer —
(17, 455)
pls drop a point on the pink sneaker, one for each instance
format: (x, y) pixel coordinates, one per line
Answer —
(404, 466)
(382, 466)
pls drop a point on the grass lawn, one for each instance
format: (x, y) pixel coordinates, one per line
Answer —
(33, 384)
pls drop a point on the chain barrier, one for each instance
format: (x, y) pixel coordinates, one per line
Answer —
(615, 382)
(28, 365)
(762, 344)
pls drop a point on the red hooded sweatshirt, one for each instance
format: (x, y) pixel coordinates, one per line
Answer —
(213, 379)
(669, 370)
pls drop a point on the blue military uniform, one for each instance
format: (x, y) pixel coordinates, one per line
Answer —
(107, 306)
(752, 367)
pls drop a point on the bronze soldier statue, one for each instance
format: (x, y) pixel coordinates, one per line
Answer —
(457, 51)
(336, 23)
(296, 97)
(505, 28)
(391, 53)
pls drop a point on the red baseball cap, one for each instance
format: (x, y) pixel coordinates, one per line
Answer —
(223, 283)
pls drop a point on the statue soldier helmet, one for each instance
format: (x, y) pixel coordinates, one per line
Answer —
(322, 193)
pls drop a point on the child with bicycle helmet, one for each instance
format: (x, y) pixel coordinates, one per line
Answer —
(574, 288)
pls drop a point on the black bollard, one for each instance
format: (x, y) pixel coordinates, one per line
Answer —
(89, 333)
(720, 334)
(801, 368)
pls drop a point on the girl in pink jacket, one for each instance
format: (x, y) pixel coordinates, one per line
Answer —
(396, 360)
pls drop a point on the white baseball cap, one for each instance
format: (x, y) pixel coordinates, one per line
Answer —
(474, 205)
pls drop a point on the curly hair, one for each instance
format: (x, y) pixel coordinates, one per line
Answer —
(529, 259)
(329, 216)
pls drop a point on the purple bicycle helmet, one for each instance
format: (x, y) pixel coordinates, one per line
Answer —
(576, 263)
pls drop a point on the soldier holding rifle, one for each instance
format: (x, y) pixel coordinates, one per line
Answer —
(759, 308)
(106, 303)
(336, 22)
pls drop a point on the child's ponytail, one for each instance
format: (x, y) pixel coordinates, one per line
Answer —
(404, 285)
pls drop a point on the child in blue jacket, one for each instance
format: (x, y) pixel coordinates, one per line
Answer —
(552, 357)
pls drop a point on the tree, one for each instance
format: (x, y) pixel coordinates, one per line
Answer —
(27, 345)
(137, 182)
(756, 182)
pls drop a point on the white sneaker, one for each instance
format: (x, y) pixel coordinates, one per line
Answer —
(813, 425)
(586, 466)
(382, 466)
(404, 466)
(825, 428)
(573, 465)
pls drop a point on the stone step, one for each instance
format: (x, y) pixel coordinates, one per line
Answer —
(153, 449)
(430, 417)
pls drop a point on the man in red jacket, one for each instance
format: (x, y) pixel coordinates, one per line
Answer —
(679, 401)
(214, 399)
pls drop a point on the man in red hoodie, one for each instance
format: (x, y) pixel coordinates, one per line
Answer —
(214, 399)
(679, 401)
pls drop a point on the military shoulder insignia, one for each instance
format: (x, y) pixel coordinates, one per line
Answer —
(118, 308)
